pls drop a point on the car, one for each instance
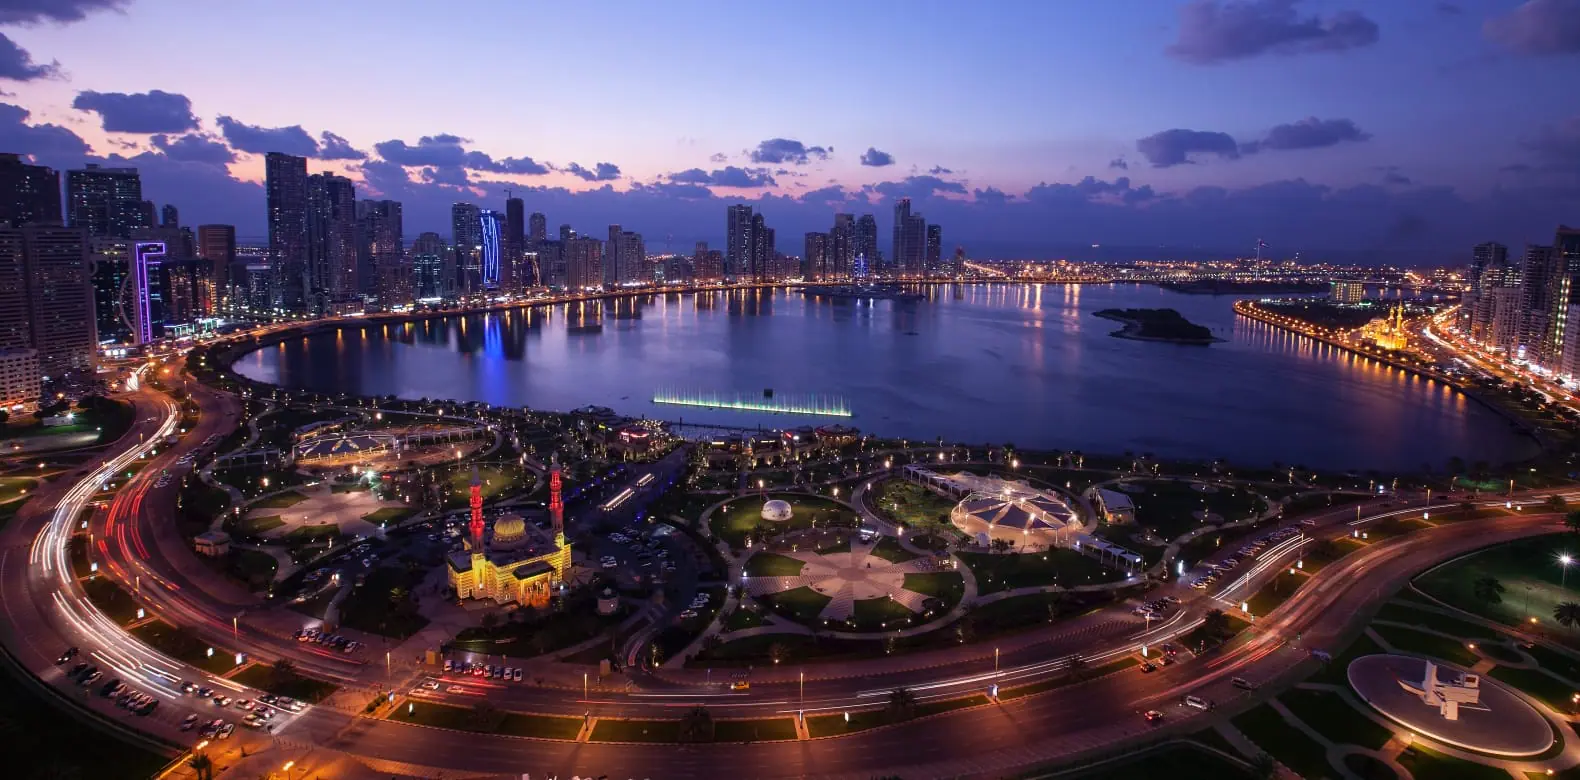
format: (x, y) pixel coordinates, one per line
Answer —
(243, 704)
(610, 564)
(77, 670)
(147, 707)
(1196, 702)
(70, 653)
(1243, 684)
(204, 692)
(516, 676)
(1148, 668)
(267, 698)
(189, 721)
(91, 677)
(1154, 717)
(111, 688)
(208, 730)
(187, 687)
(740, 685)
(456, 689)
(226, 730)
(432, 685)
(289, 703)
(221, 701)
(449, 665)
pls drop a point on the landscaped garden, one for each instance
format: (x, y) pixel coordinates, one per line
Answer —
(742, 517)
(1058, 566)
(1170, 507)
(1512, 583)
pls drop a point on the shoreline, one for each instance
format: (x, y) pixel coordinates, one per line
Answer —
(1132, 331)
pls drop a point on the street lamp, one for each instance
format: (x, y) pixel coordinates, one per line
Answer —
(1564, 561)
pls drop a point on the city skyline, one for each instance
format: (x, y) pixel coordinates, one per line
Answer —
(1206, 124)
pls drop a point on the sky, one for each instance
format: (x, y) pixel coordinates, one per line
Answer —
(1380, 131)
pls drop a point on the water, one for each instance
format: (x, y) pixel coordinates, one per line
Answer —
(975, 363)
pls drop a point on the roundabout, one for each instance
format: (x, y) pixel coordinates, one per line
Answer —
(1498, 723)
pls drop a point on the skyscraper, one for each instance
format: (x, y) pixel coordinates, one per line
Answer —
(169, 216)
(633, 259)
(537, 229)
(216, 245)
(760, 266)
(841, 246)
(910, 238)
(285, 188)
(466, 230)
(381, 233)
(28, 193)
(427, 265)
(814, 261)
(1539, 284)
(515, 244)
(583, 263)
(935, 249)
(490, 232)
(738, 242)
(867, 242)
(108, 268)
(1483, 256)
(46, 300)
(1564, 292)
(611, 258)
(105, 201)
(331, 242)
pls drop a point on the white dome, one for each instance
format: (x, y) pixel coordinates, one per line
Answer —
(778, 511)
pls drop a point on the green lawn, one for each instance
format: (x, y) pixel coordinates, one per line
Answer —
(947, 585)
(832, 725)
(542, 632)
(1317, 502)
(754, 730)
(1059, 682)
(742, 618)
(306, 689)
(1275, 593)
(798, 648)
(181, 645)
(1334, 672)
(389, 514)
(487, 721)
(889, 549)
(257, 526)
(498, 481)
(1335, 719)
(1529, 572)
(1451, 650)
(1545, 687)
(111, 599)
(308, 534)
(1289, 745)
(370, 606)
(767, 564)
(1402, 612)
(996, 572)
(635, 731)
(880, 614)
(1424, 763)
(16, 487)
(1558, 663)
(910, 504)
(1165, 506)
(802, 605)
(743, 517)
(284, 500)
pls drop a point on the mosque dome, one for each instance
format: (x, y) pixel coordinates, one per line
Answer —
(777, 511)
(509, 529)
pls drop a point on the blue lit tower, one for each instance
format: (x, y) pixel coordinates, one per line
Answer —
(492, 226)
(147, 303)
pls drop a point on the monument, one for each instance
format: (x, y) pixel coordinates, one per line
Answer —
(1463, 690)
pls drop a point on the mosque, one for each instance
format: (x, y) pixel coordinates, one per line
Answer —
(515, 561)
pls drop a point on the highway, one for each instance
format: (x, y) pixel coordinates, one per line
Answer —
(46, 611)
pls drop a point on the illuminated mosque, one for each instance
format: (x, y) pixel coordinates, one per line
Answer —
(514, 561)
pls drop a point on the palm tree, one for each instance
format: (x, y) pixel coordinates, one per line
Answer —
(1557, 503)
(283, 672)
(1488, 589)
(1263, 767)
(1215, 623)
(1567, 614)
(1572, 521)
(902, 704)
(485, 717)
(203, 766)
(696, 725)
(1078, 666)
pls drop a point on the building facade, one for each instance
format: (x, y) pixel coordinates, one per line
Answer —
(28, 193)
(285, 191)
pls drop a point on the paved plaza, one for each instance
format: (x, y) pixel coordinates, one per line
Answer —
(846, 578)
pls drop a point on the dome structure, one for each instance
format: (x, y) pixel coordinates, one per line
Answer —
(777, 511)
(509, 530)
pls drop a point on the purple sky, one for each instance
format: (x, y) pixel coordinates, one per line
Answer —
(1400, 131)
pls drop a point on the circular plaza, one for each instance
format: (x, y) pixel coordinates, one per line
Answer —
(1451, 705)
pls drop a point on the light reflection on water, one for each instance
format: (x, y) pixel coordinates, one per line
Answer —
(978, 363)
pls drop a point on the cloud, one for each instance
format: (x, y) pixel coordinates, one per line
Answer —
(601, 172)
(1557, 143)
(876, 159)
(61, 11)
(719, 157)
(1308, 133)
(334, 147)
(939, 170)
(1119, 163)
(17, 65)
(1447, 9)
(784, 150)
(145, 112)
(991, 196)
(194, 147)
(43, 142)
(451, 175)
(447, 151)
(255, 139)
(825, 195)
(1211, 32)
(1177, 146)
(676, 190)
(1537, 27)
(728, 176)
(917, 186)
(1395, 178)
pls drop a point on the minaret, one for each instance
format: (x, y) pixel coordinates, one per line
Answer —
(477, 513)
(556, 506)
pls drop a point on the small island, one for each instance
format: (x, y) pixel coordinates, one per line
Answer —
(1157, 325)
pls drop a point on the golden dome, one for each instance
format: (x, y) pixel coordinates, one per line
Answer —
(509, 528)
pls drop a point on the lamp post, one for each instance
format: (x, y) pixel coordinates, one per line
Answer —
(1563, 562)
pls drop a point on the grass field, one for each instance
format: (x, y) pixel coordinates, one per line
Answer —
(1175, 762)
(833, 725)
(734, 521)
(1532, 579)
(1289, 745)
(1451, 650)
(1166, 506)
(1332, 717)
(183, 646)
(306, 689)
(767, 564)
(389, 514)
(283, 500)
(255, 526)
(910, 504)
(995, 572)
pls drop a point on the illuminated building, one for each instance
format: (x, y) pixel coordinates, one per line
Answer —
(1345, 291)
(489, 247)
(285, 189)
(1388, 332)
(514, 561)
(147, 318)
(466, 227)
(19, 379)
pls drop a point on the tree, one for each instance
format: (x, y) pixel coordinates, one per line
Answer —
(1215, 623)
(778, 652)
(1557, 503)
(1572, 521)
(1567, 614)
(489, 620)
(485, 717)
(902, 704)
(1488, 589)
(696, 725)
(283, 672)
(203, 766)
(1078, 666)
(1263, 767)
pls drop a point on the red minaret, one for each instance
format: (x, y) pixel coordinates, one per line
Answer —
(477, 511)
(556, 506)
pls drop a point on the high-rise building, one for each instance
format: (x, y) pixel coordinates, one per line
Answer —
(866, 243)
(738, 242)
(583, 263)
(611, 258)
(19, 379)
(427, 265)
(28, 193)
(490, 233)
(515, 244)
(381, 234)
(910, 240)
(466, 230)
(1564, 290)
(934, 261)
(763, 253)
(46, 300)
(170, 216)
(1496, 322)
(216, 245)
(1484, 255)
(109, 265)
(814, 260)
(624, 258)
(537, 229)
(285, 189)
(1346, 291)
(333, 273)
(147, 310)
(105, 202)
(841, 246)
(1539, 283)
